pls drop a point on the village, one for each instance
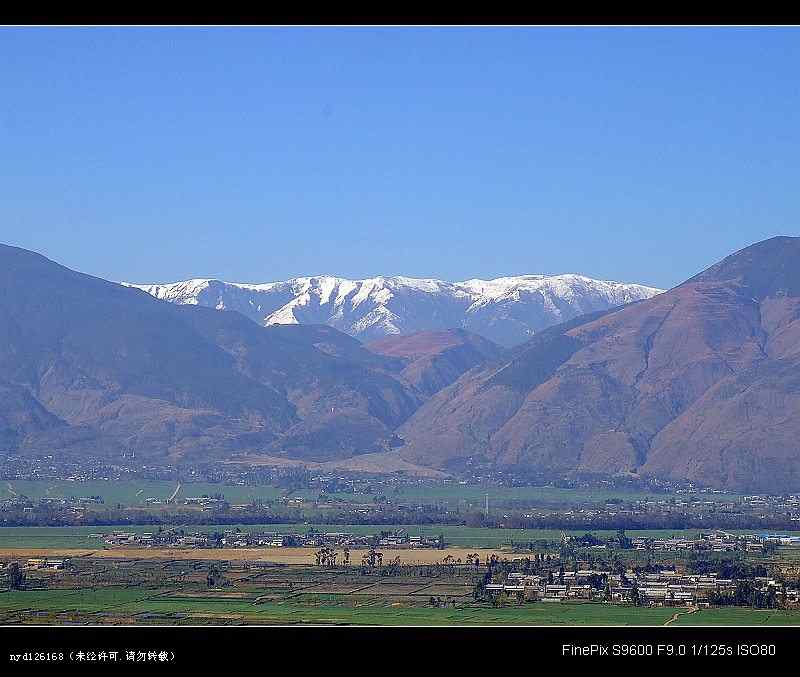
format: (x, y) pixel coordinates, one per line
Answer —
(237, 538)
(715, 578)
(661, 588)
(716, 541)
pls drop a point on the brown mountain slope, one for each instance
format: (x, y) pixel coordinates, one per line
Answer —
(431, 360)
(346, 398)
(701, 383)
(91, 368)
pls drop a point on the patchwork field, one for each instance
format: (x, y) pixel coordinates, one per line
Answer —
(200, 587)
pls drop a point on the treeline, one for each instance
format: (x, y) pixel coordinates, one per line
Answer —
(724, 567)
(111, 517)
(746, 594)
(394, 515)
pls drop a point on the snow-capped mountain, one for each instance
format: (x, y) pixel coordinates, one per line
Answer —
(507, 310)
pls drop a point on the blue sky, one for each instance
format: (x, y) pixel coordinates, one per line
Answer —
(260, 154)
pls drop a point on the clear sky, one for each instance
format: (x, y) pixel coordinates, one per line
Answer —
(260, 154)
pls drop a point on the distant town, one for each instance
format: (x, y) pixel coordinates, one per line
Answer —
(74, 495)
(323, 540)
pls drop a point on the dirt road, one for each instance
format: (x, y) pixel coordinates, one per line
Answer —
(675, 616)
(275, 555)
(174, 493)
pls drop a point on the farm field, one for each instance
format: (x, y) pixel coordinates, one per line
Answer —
(162, 606)
(133, 493)
(740, 616)
(242, 587)
(469, 496)
(465, 497)
(128, 602)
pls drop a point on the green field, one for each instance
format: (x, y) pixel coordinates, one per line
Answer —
(127, 601)
(133, 601)
(133, 493)
(466, 496)
(740, 616)
(127, 493)
(462, 497)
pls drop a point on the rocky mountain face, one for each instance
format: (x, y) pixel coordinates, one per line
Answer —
(507, 310)
(699, 383)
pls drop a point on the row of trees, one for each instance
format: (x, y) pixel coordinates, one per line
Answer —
(326, 557)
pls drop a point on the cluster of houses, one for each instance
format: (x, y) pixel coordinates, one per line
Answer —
(232, 538)
(792, 501)
(170, 538)
(51, 563)
(402, 539)
(663, 588)
(70, 507)
(715, 541)
(122, 538)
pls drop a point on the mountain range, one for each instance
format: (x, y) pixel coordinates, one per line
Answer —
(699, 383)
(507, 310)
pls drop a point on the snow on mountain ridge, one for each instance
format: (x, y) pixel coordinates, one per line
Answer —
(506, 309)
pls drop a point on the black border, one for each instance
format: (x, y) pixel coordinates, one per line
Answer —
(275, 647)
(302, 647)
(398, 17)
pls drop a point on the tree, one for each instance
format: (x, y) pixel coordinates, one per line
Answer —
(16, 577)
(771, 601)
(635, 597)
(211, 577)
(744, 593)
(625, 543)
(479, 591)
